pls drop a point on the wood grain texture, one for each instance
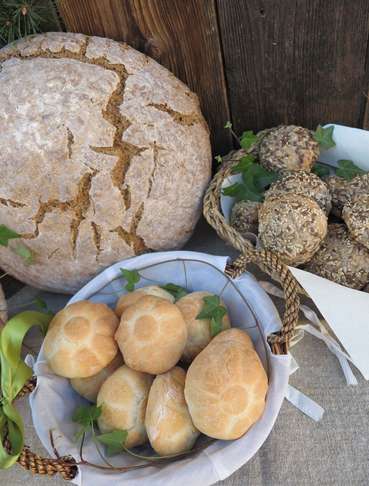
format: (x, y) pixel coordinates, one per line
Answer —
(295, 61)
(181, 35)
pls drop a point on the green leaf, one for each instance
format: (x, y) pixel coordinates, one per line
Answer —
(40, 303)
(7, 234)
(86, 415)
(321, 170)
(177, 291)
(348, 170)
(114, 441)
(219, 159)
(215, 311)
(228, 125)
(324, 136)
(257, 178)
(242, 193)
(132, 277)
(14, 374)
(24, 252)
(248, 139)
(243, 164)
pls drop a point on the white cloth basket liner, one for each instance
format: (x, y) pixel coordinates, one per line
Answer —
(53, 400)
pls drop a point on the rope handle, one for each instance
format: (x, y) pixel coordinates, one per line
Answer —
(266, 261)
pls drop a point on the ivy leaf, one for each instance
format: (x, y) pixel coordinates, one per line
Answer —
(132, 277)
(215, 311)
(348, 170)
(321, 170)
(258, 178)
(228, 125)
(243, 164)
(7, 234)
(177, 291)
(241, 192)
(248, 139)
(40, 303)
(219, 159)
(113, 441)
(25, 253)
(324, 136)
(85, 416)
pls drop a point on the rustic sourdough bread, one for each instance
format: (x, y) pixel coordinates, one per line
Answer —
(104, 155)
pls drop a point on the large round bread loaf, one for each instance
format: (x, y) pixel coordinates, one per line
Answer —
(104, 155)
(226, 386)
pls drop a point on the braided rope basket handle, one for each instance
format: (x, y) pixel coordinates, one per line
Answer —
(266, 260)
(63, 465)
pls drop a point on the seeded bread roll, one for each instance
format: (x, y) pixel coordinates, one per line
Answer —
(226, 386)
(123, 399)
(244, 217)
(168, 422)
(152, 335)
(199, 330)
(132, 297)
(305, 184)
(341, 193)
(356, 215)
(288, 148)
(341, 259)
(293, 226)
(80, 340)
(89, 387)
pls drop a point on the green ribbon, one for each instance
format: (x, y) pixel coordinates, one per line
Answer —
(14, 375)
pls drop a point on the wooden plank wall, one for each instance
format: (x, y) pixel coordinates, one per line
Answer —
(257, 63)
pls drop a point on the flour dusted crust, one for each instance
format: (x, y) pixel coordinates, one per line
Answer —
(293, 226)
(168, 422)
(132, 297)
(226, 386)
(341, 259)
(104, 154)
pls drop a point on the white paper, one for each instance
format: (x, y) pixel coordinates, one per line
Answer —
(345, 310)
(54, 400)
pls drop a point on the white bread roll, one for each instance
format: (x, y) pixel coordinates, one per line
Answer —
(226, 386)
(80, 339)
(89, 387)
(168, 422)
(199, 331)
(152, 335)
(123, 399)
(132, 297)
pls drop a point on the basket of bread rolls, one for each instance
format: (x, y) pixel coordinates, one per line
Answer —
(168, 368)
(295, 192)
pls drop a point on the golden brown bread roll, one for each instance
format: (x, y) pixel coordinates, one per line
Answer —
(132, 297)
(89, 387)
(123, 399)
(199, 331)
(80, 339)
(168, 422)
(152, 335)
(226, 386)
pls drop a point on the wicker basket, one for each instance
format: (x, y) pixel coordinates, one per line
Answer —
(66, 465)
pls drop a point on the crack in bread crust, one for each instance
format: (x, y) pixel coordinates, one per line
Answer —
(11, 203)
(181, 118)
(123, 150)
(97, 235)
(130, 237)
